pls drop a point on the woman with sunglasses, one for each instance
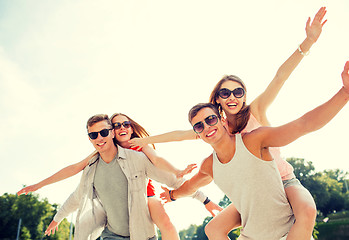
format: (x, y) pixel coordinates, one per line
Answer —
(229, 96)
(125, 129)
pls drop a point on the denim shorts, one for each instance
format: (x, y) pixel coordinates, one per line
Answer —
(291, 182)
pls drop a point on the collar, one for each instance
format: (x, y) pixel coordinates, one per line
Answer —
(121, 152)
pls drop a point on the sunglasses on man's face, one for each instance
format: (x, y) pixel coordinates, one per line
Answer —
(210, 120)
(104, 133)
(225, 92)
(125, 124)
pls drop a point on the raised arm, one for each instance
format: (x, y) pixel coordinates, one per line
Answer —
(164, 164)
(62, 174)
(178, 135)
(313, 30)
(311, 121)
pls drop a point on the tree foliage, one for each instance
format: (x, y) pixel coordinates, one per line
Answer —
(35, 217)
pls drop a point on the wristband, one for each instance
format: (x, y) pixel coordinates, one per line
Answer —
(171, 196)
(301, 52)
(206, 201)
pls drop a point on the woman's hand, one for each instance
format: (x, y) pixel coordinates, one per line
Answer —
(314, 29)
(28, 189)
(138, 143)
(186, 171)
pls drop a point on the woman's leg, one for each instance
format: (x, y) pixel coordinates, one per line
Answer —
(304, 210)
(161, 219)
(225, 221)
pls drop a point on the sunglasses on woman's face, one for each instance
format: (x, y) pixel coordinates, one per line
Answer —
(125, 124)
(210, 120)
(104, 133)
(225, 92)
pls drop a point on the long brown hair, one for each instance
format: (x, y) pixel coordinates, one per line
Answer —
(138, 130)
(243, 115)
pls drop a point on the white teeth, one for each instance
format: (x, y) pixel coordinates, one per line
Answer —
(100, 144)
(122, 134)
(211, 133)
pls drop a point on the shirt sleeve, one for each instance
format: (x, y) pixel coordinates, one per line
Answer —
(72, 203)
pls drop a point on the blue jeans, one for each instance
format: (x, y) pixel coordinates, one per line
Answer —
(108, 235)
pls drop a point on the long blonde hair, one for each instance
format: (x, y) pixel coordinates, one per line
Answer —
(243, 115)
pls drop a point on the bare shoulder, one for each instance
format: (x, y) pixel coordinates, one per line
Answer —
(206, 166)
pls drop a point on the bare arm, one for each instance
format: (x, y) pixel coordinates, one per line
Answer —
(189, 187)
(64, 173)
(311, 121)
(179, 135)
(164, 164)
(260, 105)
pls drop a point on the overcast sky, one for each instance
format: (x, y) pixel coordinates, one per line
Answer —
(63, 61)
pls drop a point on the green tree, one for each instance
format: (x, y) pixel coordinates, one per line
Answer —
(35, 216)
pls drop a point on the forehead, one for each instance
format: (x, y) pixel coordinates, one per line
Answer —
(119, 118)
(98, 126)
(231, 85)
(202, 114)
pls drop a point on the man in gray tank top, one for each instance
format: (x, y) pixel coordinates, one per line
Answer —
(244, 170)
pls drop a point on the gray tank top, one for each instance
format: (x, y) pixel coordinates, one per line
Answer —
(254, 186)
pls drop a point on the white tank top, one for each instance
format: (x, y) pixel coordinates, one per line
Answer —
(255, 188)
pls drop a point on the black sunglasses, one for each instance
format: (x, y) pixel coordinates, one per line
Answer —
(225, 92)
(210, 120)
(104, 133)
(125, 124)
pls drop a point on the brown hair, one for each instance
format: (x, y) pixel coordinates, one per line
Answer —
(98, 118)
(243, 115)
(194, 110)
(138, 130)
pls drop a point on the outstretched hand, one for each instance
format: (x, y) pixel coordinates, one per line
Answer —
(187, 170)
(345, 77)
(28, 189)
(52, 228)
(314, 29)
(165, 195)
(211, 206)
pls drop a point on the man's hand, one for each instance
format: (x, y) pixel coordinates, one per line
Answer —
(52, 228)
(165, 195)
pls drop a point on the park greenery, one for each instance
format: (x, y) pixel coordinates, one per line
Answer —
(32, 214)
(329, 189)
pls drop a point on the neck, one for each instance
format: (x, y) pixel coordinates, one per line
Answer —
(109, 155)
(225, 148)
(125, 144)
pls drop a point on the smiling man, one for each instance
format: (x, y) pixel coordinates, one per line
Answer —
(244, 170)
(111, 197)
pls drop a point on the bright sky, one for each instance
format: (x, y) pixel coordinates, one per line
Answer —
(63, 61)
